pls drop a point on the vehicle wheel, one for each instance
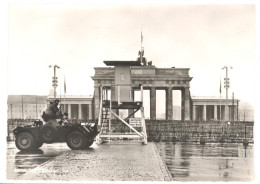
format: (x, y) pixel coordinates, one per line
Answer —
(24, 141)
(89, 143)
(48, 133)
(75, 140)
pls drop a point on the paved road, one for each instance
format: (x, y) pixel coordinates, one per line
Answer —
(20, 162)
(119, 161)
(210, 162)
(134, 162)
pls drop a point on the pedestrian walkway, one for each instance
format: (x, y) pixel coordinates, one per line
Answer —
(119, 161)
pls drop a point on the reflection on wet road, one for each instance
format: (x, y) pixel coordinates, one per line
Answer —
(19, 162)
(185, 161)
(210, 162)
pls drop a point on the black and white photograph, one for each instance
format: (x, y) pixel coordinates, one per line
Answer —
(129, 91)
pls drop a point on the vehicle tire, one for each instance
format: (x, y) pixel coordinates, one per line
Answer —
(48, 133)
(76, 140)
(89, 143)
(24, 141)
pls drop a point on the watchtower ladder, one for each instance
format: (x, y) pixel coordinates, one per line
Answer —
(108, 118)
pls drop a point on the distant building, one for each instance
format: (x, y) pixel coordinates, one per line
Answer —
(32, 106)
(26, 106)
(206, 108)
(77, 106)
(82, 107)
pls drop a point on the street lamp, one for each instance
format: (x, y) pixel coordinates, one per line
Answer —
(226, 86)
(54, 79)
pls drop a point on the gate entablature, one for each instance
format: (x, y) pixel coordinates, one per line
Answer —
(147, 75)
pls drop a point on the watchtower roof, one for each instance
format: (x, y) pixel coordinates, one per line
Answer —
(122, 63)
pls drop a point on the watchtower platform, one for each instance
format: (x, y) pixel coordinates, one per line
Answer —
(118, 95)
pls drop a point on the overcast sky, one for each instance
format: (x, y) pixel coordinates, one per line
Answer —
(203, 38)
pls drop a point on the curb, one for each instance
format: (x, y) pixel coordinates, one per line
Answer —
(163, 167)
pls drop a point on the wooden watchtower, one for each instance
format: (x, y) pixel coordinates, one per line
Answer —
(118, 95)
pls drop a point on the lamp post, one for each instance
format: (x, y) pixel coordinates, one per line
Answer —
(226, 86)
(54, 79)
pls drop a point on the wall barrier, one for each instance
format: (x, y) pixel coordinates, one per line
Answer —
(193, 131)
(183, 131)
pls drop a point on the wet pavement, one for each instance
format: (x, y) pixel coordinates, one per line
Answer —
(123, 161)
(210, 162)
(119, 161)
(20, 162)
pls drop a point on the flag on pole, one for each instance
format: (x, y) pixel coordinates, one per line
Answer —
(141, 36)
(64, 85)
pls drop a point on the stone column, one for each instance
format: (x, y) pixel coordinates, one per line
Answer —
(90, 111)
(132, 93)
(204, 118)
(223, 112)
(235, 113)
(80, 111)
(187, 104)
(194, 113)
(69, 111)
(153, 103)
(215, 112)
(220, 115)
(66, 108)
(62, 107)
(182, 105)
(96, 101)
(229, 113)
(168, 109)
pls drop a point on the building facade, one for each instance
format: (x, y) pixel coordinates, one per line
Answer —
(77, 107)
(32, 106)
(85, 107)
(213, 108)
(26, 106)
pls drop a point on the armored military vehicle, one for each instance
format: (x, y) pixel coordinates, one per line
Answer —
(77, 136)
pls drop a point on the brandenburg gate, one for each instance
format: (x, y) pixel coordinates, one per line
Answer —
(151, 78)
